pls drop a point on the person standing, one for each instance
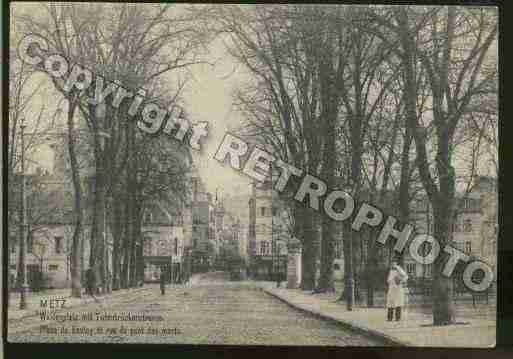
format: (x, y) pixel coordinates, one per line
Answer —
(397, 277)
(90, 279)
(162, 281)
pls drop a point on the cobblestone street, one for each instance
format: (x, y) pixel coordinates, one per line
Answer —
(212, 311)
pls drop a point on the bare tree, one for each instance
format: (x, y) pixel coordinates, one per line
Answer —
(281, 102)
(135, 46)
(451, 44)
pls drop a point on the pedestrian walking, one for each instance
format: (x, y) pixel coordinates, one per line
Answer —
(396, 280)
(162, 281)
(89, 281)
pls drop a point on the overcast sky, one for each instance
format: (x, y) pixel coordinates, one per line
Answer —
(208, 98)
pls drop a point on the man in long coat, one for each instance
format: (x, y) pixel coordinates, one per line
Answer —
(396, 280)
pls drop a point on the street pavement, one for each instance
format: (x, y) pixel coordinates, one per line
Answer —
(212, 310)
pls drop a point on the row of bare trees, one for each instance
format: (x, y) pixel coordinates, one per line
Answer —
(374, 100)
(120, 170)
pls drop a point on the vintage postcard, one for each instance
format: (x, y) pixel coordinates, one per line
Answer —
(294, 175)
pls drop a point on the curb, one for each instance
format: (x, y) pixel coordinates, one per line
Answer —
(358, 328)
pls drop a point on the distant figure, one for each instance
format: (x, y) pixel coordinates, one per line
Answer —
(162, 282)
(395, 295)
(90, 281)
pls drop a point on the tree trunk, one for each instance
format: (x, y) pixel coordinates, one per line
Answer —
(443, 312)
(132, 260)
(348, 292)
(125, 269)
(76, 255)
(139, 263)
(442, 199)
(133, 250)
(131, 205)
(371, 266)
(117, 234)
(310, 250)
(404, 193)
(326, 282)
(96, 260)
(357, 244)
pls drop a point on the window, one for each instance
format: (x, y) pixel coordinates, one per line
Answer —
(30, 244)
(148, 218)
(262, 211)
(176, 246)
(336, 266)
(411, 269)
(456, 227)
(467, 226)
(53, 267)
(264, 248)
(428, 270)
(58, 245)
(147, 247)
(275, 211)
(468, 247)
(338, 249)
(466, 203)
(13, 266)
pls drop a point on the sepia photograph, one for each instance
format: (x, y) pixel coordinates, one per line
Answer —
(251, 174)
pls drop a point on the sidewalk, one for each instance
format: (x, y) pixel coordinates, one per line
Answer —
(414, 330)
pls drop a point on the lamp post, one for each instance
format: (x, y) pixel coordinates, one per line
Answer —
(23, 224)
(278, 273)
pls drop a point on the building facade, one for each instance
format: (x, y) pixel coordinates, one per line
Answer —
(475, 227)
(268, 233)
(50, 231)
(203, 227)
(164, 243)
